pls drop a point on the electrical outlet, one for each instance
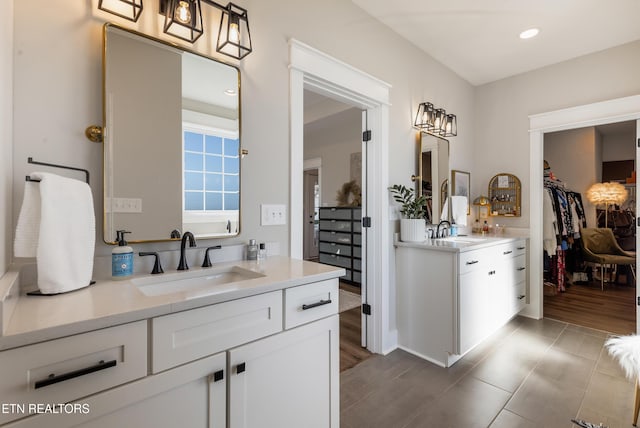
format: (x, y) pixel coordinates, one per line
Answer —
(126, 205)
(273, 215)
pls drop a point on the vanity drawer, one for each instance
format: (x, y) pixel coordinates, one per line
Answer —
(476, 259)
(513, 249)
(337, 237)
(186, 336)
(333, 248)
(334, 260)
(335, 213)
(310, 302)
(66, 369)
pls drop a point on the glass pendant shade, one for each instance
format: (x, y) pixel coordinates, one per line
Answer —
(439, 120)
(183, 19)
(127, 9)
(425, 116)
(449, 126)
(234, 39)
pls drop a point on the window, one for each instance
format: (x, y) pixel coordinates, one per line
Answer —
(211, 179)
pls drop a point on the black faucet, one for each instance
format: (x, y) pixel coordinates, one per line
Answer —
(192, 243)
(438, 228)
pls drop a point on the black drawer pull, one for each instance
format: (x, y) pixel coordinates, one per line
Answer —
(492, 272)
(472, 262)
(522, 248)
(52, 379)
(315, 305)
(218, 376)
(521, 269)
(507, 252)
(522, 296)
(240, 368)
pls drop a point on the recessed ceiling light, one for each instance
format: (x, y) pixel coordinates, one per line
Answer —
(231, 92)
(531, 32)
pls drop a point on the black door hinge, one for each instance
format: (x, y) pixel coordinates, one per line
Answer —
(366, 309)
(638, 301)
(366, 221)
(638, 142)
(366, 135)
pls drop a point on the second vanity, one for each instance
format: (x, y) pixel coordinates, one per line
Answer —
(453, 293)
(262, 351)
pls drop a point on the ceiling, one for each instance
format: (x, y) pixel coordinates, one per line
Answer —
(479, 40)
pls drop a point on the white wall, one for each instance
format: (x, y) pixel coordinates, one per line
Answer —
(338, 137)
(6, 133)
(503, 107)
(575, 158)
(618, 147)
(58, 91)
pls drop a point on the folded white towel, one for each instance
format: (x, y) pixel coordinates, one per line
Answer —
(57, 226)
(459, 209)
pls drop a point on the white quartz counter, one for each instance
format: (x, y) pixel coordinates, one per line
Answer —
(30, 319)
(460, 243)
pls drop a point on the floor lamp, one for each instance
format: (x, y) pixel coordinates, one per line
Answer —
(607, 194)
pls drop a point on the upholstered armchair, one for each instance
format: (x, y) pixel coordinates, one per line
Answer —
(599, 246)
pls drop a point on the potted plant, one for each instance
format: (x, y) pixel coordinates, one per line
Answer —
(412, 208)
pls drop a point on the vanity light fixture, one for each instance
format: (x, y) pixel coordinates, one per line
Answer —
(127, 9)
(183, 19)
(436, 121)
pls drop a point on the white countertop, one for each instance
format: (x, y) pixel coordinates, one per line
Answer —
(37, 318)
(474, 242)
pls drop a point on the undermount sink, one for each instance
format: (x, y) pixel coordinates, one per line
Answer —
(200, 280)
(464, 239)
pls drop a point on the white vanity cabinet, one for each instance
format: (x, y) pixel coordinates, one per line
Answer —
(232, 364)
(450, 299)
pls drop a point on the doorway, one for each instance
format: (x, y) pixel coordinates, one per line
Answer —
(311, 198)
(600, 113)
(575, 290)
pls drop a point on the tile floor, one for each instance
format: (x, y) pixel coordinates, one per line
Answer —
(531, 373)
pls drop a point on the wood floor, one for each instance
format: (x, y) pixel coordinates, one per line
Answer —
(351, 352)
(611, 310)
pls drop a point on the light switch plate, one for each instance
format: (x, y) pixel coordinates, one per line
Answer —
(273, 215)
(125, 205)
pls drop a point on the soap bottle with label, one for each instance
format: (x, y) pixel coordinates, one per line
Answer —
(121, 258)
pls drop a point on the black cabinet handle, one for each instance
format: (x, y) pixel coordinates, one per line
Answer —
(52, 379)
(492, 272)
(218, 376)
(522, 296)
(315, 305)
(240, 368)
(522, 248)
(472, 262)
(507, 252)
(521, 269)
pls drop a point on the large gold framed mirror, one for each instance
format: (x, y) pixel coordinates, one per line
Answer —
(172, 146)
(433, 170)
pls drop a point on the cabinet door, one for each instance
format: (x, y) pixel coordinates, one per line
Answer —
(287, 380)
(475, 317)
(193, 395)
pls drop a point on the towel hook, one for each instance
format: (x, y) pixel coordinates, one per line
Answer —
(30, 160)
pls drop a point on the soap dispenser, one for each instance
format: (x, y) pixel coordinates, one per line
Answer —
(121, 258)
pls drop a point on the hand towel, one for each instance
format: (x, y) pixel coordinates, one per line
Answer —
(58, 222)
(458, 210)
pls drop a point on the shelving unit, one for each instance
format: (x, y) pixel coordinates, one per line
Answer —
(340, 240)
(505, 195)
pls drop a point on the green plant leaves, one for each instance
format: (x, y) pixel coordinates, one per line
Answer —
(411, 206)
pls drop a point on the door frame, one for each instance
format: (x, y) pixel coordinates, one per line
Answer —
(314, 70)
(312, 164)
(600, 113)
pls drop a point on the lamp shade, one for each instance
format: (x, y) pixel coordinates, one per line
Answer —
(183, 19)
(425, 117)
(127, 9)
(234, 39)
(481, 201)
(607, 193)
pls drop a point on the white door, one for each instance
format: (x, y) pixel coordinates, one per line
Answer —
(287, 380)
(311, 205)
